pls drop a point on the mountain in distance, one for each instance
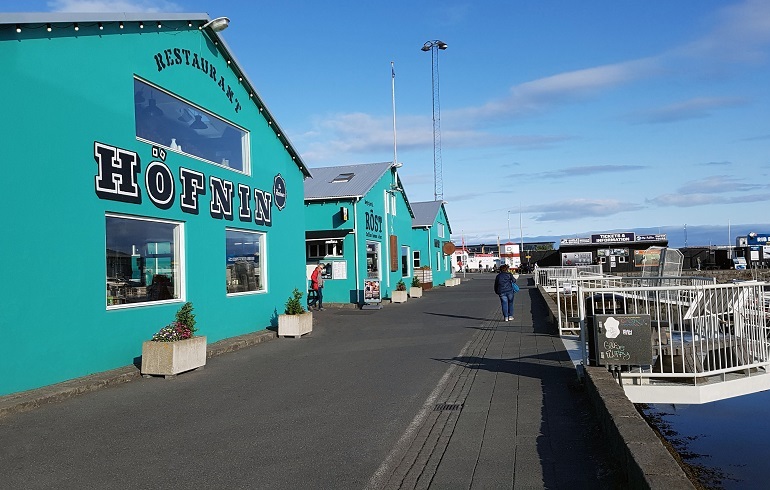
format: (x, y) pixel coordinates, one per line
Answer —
(678, 236)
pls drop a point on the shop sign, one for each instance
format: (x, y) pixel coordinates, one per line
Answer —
(574, 241)
(651, 238)
(757, 239)
(117, 179)
(612, 237)
(279, 192)
(373, 223)
(184, 57)
(576, 258)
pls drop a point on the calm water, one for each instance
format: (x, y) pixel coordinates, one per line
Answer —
(732, 436)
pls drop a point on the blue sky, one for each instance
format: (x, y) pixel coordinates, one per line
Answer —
(570, 117)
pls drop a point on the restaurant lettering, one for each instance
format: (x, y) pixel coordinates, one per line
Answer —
(117, 179)
(179, 56)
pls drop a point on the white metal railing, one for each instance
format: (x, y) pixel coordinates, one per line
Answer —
(702, 332)
(566, 297)
(547, 276)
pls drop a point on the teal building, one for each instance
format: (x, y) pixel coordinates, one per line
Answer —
(359, 225)
(142, 170)
(431, 245)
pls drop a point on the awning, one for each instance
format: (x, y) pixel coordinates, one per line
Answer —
(326, 234)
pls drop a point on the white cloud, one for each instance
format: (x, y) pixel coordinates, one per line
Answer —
(541, 94)
(113, 6)
(690, 109)
(579, 208)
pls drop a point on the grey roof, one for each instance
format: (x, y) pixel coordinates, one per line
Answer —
(425, 214)
(365, 175)
(199, 18)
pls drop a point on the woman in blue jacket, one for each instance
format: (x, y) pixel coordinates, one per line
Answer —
(506, 287)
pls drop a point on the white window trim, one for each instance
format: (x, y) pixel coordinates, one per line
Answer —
(179, 251)
(263, 257)
(245, 146)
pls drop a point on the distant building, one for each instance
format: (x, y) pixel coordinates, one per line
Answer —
(616, 252)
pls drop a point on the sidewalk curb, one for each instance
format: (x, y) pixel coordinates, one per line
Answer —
(32, 399)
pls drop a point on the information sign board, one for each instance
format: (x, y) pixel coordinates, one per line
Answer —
(372, 291)
(623, 340)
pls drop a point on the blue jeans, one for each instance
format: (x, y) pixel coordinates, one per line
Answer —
(506, 300)
(319, 298)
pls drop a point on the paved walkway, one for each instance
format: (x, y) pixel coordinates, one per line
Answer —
(508, 414)
(438, 392)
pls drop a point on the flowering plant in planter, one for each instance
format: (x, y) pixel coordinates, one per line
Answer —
(180, 329)
(400, 286)
(175, 348)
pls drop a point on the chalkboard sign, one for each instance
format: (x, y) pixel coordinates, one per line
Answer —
(623, 340)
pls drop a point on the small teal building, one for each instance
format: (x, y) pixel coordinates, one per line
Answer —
(142, 171)
(431, 244)
(359, 224)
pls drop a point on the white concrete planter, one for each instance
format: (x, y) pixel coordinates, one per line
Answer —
(398, 297)
(415, 292)
(295, 325)
(172, 358)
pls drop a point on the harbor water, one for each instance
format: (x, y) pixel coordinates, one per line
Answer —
(726, 441)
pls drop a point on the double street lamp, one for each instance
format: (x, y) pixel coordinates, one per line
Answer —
(438, 180)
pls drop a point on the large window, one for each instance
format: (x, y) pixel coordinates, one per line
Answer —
(245, 261)
(404, 261)
(166, 120)
(144, 262)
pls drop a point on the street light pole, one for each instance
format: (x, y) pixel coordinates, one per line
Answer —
(509, 226)
(438, 180)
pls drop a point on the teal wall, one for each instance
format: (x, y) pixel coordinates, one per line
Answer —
(425, 240)
(324, 215)
(62, 92)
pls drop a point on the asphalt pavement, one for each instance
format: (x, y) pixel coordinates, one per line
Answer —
(438, 392)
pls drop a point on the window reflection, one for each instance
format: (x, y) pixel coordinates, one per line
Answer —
(168, 121)
(245, 264)
(142, 260)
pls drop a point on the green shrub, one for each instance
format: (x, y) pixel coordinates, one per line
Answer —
(415, 282)
(294, 305)
(186, 317)
(400, 286)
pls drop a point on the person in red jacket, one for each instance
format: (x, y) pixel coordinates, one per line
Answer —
(317, 284)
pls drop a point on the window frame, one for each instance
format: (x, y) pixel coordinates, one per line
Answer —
(245, 142)
(405, 255)
(262, 261)
(178, 258)
(337, 248)
(416, 259)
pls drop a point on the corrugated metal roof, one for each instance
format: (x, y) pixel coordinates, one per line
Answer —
(425, 212)
(363, 178)
(43, 18)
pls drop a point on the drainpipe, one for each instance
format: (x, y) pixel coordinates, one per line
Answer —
(387, 241)
(430, 252)
(355, 242)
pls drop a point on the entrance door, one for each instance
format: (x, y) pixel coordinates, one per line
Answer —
(373, 260)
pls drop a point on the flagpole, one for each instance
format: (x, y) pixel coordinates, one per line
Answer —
(393, 91)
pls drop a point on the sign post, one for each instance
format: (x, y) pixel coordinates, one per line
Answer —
(372, 296)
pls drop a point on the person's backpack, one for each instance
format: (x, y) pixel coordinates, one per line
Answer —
(515, 288)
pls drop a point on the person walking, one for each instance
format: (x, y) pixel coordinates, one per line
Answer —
(506, 287)
(317, 285)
